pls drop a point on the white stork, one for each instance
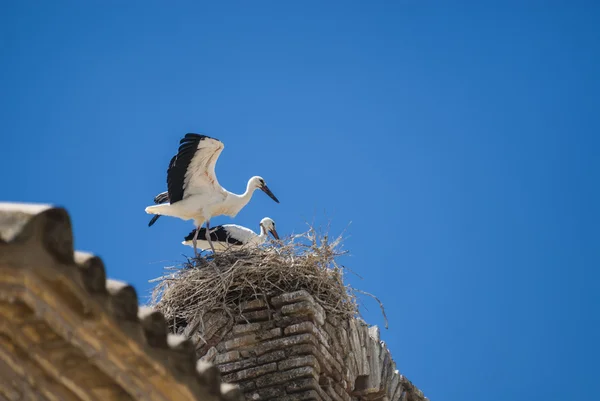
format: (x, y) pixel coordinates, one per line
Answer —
(193, 192)
(232, 235)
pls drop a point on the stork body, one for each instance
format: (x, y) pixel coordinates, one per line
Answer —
(193, 192)
(233, 236)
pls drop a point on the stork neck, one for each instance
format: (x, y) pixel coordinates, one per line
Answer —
(247, 195)
(239, 201)
(263, 232)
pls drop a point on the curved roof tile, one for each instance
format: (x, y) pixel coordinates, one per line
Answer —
(67, 291)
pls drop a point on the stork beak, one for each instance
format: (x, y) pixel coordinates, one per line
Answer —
(274, 234)
(266, 190)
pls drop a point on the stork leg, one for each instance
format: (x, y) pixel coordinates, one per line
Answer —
(208, 236)
(195, 240)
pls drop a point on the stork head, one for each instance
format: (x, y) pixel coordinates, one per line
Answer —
(257, 182)
(268, 225)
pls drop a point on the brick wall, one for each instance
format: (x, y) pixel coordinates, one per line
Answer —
(287, 348)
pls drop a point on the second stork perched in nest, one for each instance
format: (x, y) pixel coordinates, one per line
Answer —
(193, 192)
(232, 235)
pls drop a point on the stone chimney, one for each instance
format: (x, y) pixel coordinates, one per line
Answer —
(288, 348)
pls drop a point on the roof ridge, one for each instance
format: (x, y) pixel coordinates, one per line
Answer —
(37, 239)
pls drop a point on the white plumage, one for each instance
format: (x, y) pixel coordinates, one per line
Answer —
(233, 235)
(193, 191)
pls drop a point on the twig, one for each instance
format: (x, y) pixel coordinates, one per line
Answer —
(380, 304)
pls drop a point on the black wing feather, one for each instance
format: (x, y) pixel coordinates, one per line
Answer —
(179, 165)
(162, 197)
(218, 233)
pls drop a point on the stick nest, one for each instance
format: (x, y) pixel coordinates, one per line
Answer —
(227, 279)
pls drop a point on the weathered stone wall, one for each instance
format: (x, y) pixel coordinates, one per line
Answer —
(287, 348)
(69, 334)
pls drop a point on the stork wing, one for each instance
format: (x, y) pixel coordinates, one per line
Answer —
(162, 197)
(217, 234)
(192, 170)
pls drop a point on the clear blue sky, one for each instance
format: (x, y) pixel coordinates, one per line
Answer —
(460, 141)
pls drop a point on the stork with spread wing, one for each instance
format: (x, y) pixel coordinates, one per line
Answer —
(193, 192)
